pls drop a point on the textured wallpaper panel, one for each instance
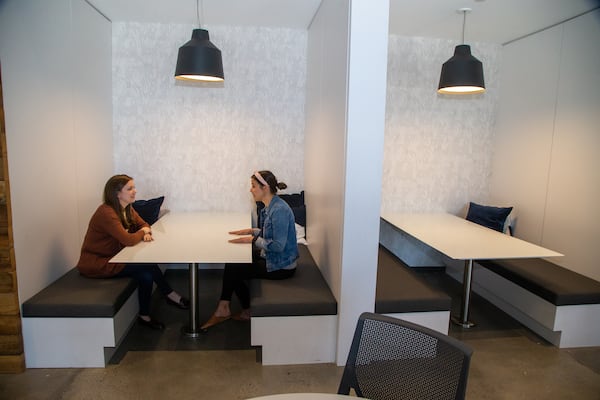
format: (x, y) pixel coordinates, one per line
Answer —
(437, 148)
(198, 144)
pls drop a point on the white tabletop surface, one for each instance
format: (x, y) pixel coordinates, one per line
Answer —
(464, 240)
(304, 396)
(194, 237)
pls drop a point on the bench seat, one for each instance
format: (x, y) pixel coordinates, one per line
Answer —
(77, 321)
(559, 304)
(558, 285)
(402, 294)
(306, 293)
(300, 311)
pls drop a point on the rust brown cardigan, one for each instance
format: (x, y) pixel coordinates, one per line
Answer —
(105, 237)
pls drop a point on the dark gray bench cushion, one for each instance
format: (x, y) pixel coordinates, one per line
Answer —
(400, 290)
(306, 293)
(73, 295)
(547, 280)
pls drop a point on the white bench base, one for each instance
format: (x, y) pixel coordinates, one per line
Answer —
(307, 339)
(76, 342)
(436, 320)
(563, 326)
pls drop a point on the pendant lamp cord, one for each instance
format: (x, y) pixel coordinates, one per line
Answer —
(198, 12)
(464, 23)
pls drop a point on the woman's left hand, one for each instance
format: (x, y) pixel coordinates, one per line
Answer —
(245, 239)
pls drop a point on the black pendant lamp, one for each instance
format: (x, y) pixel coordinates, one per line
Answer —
(462, 73)
(199, 59)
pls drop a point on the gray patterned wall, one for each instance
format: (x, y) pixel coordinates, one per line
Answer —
(438, 149)
(199, 145)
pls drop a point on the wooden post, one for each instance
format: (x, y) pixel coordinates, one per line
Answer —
(12, 359)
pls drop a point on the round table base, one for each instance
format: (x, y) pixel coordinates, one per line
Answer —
(459, 322)
(189, 332)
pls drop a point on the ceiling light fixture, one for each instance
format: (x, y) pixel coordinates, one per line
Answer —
(462, 73)
(199, 59)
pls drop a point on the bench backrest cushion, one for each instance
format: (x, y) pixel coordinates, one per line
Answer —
(488, 216)
(306, 293)
(149, 210)
(554, 283)
(73, 295)
(296, 203)
(400, 290)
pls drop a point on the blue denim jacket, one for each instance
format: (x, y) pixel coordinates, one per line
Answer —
(277, 235)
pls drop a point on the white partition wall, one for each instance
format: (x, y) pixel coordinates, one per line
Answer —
(367, 66)
(572, 212)
(56, 75)
(523, 134)
(547, 140)
(345, 113)
(325, 137)
(92, 132)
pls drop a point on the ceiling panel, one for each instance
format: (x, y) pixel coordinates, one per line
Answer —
(293, 14)
(494, 21)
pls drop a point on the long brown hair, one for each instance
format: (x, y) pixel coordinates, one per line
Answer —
(111, 189)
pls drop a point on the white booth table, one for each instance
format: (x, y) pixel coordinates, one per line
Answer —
(192, 238)
(460, 239)
(304, 396)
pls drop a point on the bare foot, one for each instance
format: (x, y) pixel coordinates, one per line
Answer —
(244, 315)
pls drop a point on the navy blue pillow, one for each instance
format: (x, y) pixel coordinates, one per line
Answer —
(488, 216)
(149, 209)
(294, 199)
(296, 203)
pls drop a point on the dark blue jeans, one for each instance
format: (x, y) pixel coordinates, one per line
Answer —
(235, 276)
(146, 275)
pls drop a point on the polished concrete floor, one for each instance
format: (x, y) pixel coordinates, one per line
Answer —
(509, 362)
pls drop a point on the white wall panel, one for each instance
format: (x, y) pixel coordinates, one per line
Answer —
(571, 224)
(547, 140)
(364, 160)
(49, 111)
(92, 109)
(198, 144)
(525, 121)
(325, 137)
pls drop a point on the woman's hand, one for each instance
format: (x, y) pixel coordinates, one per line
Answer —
(241, 232)
(245, 239)
(147, 234)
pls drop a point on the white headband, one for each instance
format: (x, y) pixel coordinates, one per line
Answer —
(260, 178)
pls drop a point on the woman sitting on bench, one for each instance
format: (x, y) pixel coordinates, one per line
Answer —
(114, 225)
(275, 245)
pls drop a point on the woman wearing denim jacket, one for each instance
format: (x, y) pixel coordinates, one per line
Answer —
(275, 245)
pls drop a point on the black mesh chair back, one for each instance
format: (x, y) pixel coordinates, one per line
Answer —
(395, 359)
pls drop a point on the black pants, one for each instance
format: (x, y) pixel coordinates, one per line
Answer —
(146, 275)
(235, 276)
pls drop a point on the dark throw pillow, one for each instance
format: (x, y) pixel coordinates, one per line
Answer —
(296, 203)
(488, 216)
(294, 199)
(149, 209)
